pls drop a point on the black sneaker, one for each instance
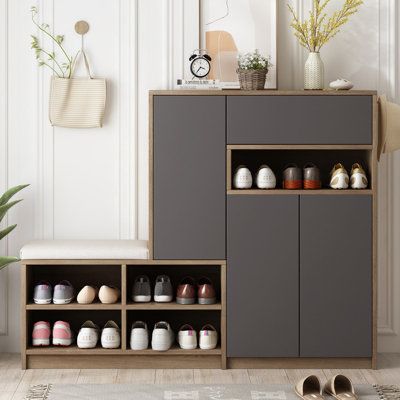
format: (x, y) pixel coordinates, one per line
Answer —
(163, 292)
(141, 289)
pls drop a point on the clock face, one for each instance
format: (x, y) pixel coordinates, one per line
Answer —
(200, 67)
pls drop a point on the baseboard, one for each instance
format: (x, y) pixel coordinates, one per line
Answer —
(289, 363)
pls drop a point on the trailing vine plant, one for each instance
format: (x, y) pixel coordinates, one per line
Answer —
(319, 29)
(46, 58)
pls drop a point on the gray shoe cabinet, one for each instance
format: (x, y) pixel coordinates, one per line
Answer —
(300, 264)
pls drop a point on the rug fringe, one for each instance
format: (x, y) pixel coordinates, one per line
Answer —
(39, 392)
(388, 392)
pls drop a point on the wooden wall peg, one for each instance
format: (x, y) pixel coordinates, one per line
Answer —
(81, 27)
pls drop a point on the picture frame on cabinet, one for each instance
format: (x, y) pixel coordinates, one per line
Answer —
(229, 28)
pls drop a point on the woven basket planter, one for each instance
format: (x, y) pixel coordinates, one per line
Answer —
(253, 79)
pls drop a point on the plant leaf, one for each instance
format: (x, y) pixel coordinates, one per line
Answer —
(5, 207)
(6, 231)
(10, 193)
(4, 261)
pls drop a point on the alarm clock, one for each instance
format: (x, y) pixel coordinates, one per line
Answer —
(200, 63)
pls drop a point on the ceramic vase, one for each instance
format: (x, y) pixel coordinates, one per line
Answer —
(314, 72)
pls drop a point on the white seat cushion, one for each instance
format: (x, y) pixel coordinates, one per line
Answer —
(85, 249)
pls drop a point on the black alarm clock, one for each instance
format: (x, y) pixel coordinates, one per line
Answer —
(200, 63)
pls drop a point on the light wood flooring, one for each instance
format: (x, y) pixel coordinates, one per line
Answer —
(14, 383)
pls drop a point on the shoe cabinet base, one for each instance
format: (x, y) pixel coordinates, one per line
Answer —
(43, 361)
(121, 273)
(300, 363)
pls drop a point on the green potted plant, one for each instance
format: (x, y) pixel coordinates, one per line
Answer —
(252, 70)
(5, 205)
(316, 32)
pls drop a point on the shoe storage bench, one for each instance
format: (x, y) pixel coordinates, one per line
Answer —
(301, 264)
(120, 273)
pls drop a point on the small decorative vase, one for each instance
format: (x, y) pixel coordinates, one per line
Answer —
(314, 72)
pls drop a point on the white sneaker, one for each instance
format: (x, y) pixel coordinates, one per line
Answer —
(187, 338)
(265, 178)
(358, 178)
(139, 336)
(208, 337)
(88, 335)
(339, 177)
(242, 178)
(162, 337)
(110, 336)
(62, 334)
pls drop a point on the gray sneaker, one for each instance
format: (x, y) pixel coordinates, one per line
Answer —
(141, 289)
(63, 293)
(42, 293)
(163, 292)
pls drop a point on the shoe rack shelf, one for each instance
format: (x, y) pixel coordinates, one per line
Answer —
(121, 273)
(278, 156)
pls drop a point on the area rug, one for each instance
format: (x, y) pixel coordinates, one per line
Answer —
(190, 392)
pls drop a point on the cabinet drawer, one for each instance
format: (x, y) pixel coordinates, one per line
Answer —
(330, 119)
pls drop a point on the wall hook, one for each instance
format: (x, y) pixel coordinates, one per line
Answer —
(81, 28)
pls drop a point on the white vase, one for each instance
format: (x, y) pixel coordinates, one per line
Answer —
(314, 72)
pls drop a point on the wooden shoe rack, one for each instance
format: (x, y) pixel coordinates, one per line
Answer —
(121, 273)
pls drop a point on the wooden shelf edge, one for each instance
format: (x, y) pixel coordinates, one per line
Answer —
(265, 92)
(74, 350)
(121, 262)
(299, 147)
(173, 306)
(272, 192)
(70, 350)
(73, 306)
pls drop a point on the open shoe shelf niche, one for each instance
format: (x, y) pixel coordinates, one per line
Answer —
(121, 273)
(277, 157)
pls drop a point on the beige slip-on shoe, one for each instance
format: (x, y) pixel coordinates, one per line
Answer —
(341, 388)
(87, 295)
(309, 388)
(109, 294)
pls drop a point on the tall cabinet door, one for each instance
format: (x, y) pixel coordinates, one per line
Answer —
(189, 177)
(262, 286)
(335, 276)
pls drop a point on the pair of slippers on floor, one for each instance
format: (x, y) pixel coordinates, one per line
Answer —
(339, 387)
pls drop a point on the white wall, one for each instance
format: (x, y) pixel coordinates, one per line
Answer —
(93, 184)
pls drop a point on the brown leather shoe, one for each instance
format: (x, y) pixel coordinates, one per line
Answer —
(292, 177)
(206, 292)
(311, 177)
(186, 292)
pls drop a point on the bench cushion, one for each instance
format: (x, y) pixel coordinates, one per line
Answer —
(85, 249)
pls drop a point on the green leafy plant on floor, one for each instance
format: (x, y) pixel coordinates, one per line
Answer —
(5, 205)
(319, 29)
(46, 58)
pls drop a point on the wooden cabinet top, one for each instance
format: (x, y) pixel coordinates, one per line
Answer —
(237, 92)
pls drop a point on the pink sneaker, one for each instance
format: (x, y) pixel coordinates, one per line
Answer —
(62, 335)
(41, 333)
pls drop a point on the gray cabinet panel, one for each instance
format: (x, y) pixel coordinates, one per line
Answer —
(189, 177)
(335, 276)
(262, 286)
(299, 119)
